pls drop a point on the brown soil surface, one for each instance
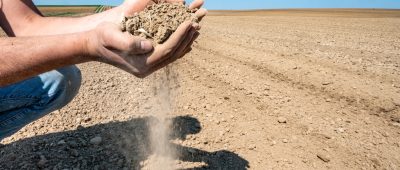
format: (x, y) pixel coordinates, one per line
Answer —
(75, 9)
(158, 21)
(287, 91)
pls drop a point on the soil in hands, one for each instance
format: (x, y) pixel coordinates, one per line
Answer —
(158, 21)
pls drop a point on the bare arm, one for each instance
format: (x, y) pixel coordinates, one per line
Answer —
(24, 57)
(22, 18)
(28, 56)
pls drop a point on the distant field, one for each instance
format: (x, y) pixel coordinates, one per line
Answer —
(67, 8)
(66, 11)
(379, 13)
(364, 13)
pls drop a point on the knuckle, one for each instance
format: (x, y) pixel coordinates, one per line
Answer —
(133, 45)
(167, 51)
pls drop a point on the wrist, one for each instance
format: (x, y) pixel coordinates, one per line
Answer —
(88, 46)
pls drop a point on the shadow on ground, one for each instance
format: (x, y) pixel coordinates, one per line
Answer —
(124, 145)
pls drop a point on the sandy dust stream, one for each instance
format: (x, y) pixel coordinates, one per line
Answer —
(163, 155)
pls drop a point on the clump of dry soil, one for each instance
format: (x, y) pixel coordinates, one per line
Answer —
(158, 21)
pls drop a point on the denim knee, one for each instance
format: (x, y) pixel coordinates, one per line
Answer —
(60, 87)
(29, 100)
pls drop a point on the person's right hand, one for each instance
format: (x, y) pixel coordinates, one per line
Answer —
(108, 44)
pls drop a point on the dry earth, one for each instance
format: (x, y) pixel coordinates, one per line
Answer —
(260, 90)
(158, 21)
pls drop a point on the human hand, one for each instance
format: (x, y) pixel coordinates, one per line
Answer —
(136, 55)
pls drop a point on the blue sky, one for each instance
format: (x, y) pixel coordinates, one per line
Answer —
(254, 4)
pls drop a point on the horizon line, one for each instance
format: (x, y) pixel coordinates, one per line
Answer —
(250, 9)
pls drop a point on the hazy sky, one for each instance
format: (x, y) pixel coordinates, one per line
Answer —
(254, 4)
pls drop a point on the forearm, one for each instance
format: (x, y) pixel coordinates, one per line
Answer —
(22, 18)
(67, 25)
(21, 58)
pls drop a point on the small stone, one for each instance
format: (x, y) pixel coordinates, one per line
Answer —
(61, 142)
(387, 106)
(42, 162)
(396, 102)
(96, 140)
(252, 147)
(376, 162)
(285, 141)
(282, 120)
(120, 162)
(12, 156)
(395, 124)
(325, 83)
(396, 119)
(87, 119)
(385, 134)
(323, 157)
(273, 143)
(72, 144)
(78, 120)
(326, 136)
(339, 130)
(74, 152)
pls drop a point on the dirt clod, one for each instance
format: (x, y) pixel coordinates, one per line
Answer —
(158, 21)
(282, 120)
(96, 140)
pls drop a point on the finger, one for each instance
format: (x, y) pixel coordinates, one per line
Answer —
(138, 45)
(196, 26)
(193, 39)
(201, 13)
(170, 45)
(185, 44)
(196, 4)
(125, 42)
(181, 51)
(179, 35)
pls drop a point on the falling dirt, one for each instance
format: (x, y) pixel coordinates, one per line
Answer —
(158, 21)
(161, 106)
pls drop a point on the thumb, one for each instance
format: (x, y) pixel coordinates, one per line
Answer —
(123, 41)
(138, 45)
(130, 7)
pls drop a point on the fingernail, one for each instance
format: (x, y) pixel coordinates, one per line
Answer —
(146, 45)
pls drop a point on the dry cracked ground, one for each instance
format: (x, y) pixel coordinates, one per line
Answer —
(261, 90)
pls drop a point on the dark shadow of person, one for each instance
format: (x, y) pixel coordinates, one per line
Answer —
(123, 145)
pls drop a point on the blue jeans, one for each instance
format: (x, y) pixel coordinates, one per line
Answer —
(31, 99)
